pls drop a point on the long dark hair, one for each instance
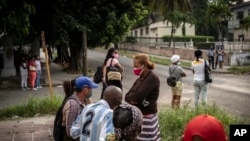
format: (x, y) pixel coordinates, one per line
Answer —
(109, 55)
(68, 87)
(198, 54)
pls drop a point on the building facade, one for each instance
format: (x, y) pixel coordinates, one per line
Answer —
(236, 25)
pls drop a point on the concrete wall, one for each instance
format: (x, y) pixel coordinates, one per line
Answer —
(185, 53)
(240, 58)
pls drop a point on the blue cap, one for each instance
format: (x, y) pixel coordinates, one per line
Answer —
(84, 81)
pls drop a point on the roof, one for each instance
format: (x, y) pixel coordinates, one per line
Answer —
(238, 6)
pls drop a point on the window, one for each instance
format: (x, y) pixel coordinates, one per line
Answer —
(131, 33)
(136, 33)
(141, 32)
(239, 15)
(147, 30)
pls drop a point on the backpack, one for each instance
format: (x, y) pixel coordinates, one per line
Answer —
(171, 81)
(58, 129)
(113, 73)
(98, 74)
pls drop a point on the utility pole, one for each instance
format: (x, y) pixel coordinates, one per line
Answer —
(84, 45)
(47, 63)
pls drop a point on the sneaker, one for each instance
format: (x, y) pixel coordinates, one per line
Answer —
(27, 88)
(34, 89)
(23, 89)
(40, 87)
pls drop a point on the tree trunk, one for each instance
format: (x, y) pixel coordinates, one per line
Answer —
(84, 57)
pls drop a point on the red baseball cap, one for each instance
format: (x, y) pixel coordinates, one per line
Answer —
(207, 127)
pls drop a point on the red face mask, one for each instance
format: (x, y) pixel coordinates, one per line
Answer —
(138, 71)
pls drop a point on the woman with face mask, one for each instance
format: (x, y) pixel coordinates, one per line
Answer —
(144, 94)
(111, 60)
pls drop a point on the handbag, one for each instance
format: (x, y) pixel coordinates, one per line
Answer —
(171, 81)
(113, 73)
(207, 74)
(98, 74)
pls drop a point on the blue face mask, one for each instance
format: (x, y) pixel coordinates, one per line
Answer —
(89, 95)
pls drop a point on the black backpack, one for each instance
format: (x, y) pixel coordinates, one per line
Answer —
(58, 129)
(98, 74)
(171, 81)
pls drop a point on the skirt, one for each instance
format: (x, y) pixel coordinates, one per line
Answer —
(150, 129)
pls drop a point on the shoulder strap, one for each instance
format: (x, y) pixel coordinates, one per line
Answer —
(172, 71)
(111, 62)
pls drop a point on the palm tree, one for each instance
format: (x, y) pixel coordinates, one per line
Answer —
(167, 6)
(247, 22)
(217, 12)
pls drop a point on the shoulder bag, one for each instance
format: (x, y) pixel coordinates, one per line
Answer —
(207, 75)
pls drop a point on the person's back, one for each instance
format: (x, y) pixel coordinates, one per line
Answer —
(95, 121)
(198, 68)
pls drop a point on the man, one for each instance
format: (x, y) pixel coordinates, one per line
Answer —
(74, 105)
(177, 72)
(95, 121)
(204, 128)
(211, 54)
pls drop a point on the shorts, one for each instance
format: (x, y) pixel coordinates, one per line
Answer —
(177, 90)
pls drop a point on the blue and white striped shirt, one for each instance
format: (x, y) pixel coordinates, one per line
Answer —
(94, 122)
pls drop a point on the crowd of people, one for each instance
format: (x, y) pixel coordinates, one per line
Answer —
(136, 119)
(30, 71)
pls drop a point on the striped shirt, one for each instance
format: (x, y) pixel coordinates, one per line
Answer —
(94, 122)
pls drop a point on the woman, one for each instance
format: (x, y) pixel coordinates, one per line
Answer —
(32, 73)
(144, 94)
(24, 73)
(38, 72)
(127, 121)
(111, 60)
(200, 86)
(220, 55)
(177, 72)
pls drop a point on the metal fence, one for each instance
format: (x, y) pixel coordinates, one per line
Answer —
(228, 46)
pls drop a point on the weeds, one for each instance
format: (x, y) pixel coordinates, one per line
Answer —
(34, 106)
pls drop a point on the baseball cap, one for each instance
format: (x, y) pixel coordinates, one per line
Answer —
(175, 58)
(84, 81)
(207, 127)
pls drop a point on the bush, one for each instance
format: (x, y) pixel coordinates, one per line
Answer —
(173, 122)
(34, 106)
(204, 45)
(131, 39)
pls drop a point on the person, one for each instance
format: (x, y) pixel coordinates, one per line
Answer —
(38, 72)
(111, 59)
(74, 105)
(24, 73)
(127, 121)
(211, 54)
(177, 72)
(220, 55)
(144, 94)
(200, 86)
(95, 121)
(204, 128)
(32, 73)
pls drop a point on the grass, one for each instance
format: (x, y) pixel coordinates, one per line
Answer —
(34, 106)
(172, 122)
(240, 69)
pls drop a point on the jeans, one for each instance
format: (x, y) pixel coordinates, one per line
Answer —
(200, 88)
(38, 76)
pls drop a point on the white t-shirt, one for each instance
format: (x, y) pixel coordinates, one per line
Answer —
(198, 68)
(38, 65)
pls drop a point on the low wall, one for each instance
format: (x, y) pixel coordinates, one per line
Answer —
(240, 58)
(185, 53)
